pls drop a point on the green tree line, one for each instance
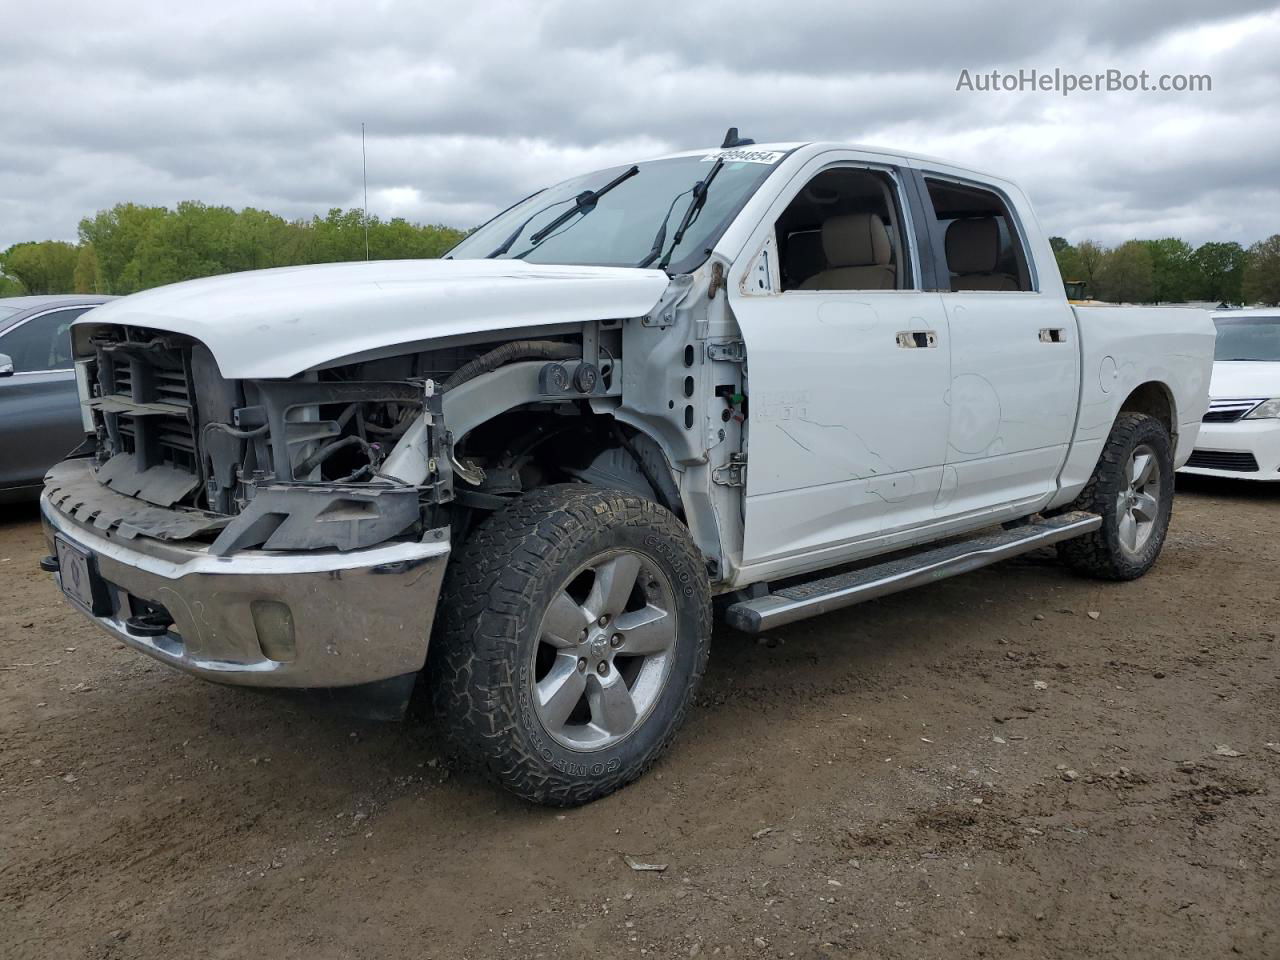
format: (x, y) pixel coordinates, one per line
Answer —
(1171, 270)
(131, 247)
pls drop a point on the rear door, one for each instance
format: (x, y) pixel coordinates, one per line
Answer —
(1015, 357)
(847, 364)
(40, 419)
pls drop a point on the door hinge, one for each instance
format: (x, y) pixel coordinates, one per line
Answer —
(734, 351)
(733, 473)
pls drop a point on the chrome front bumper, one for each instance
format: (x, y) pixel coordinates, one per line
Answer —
(329, 619)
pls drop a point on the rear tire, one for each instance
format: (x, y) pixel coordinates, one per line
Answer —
(574, 629)
(1132, 490)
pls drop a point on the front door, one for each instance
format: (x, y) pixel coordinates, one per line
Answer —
(847, 368)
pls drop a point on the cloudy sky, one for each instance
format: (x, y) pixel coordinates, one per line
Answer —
(472, 105)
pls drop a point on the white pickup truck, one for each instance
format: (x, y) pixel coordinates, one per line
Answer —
(790, 377)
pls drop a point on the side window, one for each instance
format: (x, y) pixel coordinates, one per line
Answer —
(982, 246)
(843, 231)
(42, 343)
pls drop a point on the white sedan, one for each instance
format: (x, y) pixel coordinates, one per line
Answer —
(1240, 435)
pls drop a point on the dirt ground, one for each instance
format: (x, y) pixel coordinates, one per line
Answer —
(1016, 763)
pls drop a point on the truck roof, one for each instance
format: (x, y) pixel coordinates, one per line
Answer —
(811, 147)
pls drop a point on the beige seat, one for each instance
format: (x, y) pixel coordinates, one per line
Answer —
(857, 249)
(973, 254)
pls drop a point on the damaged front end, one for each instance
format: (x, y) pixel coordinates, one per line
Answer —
(267, 532)
(270, 464)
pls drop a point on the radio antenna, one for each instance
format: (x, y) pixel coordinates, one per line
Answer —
(364, 171)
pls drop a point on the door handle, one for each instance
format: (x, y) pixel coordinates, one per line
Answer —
(1053, 335)
(916, 339)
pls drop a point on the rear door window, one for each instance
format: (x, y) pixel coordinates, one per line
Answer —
(981, 244)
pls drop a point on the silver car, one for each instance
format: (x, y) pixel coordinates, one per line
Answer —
(40, 420)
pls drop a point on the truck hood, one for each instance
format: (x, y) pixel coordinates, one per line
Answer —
(1244, 380)
(278, 323)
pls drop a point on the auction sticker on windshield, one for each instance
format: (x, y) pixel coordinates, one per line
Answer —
(746, 156)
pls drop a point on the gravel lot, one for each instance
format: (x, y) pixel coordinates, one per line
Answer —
(1016, 763)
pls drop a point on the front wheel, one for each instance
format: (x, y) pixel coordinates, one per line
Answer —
(1132, 490)
(575, 626)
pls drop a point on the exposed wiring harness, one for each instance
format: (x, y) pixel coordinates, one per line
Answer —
(233, 431)
(329, 449)
(508, 353)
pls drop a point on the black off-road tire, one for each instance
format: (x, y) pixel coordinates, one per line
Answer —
(1100, 554)
(497, 589)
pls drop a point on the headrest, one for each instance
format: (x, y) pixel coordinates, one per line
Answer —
(855, 240)
(973, 246)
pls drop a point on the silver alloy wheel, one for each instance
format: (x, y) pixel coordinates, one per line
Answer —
(1138, 506)
(604, 651)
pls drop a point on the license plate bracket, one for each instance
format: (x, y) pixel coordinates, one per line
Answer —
(79, 577)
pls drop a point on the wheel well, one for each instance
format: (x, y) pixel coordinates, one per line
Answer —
(536, 446)
(1153, 399)
(522, 449)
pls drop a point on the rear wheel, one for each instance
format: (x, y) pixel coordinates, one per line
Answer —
(575, 626)
(1132, 490)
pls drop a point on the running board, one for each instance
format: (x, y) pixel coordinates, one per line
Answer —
(815, 597)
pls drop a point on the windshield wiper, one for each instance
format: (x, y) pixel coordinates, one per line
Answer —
(585, 201)
(503, 247)
(699, 190)
(660, 238)
(582, 203)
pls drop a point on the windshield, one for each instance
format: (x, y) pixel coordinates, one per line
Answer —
(1248, 338)
(619, 229)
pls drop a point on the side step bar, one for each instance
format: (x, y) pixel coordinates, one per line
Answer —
(815, 597)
